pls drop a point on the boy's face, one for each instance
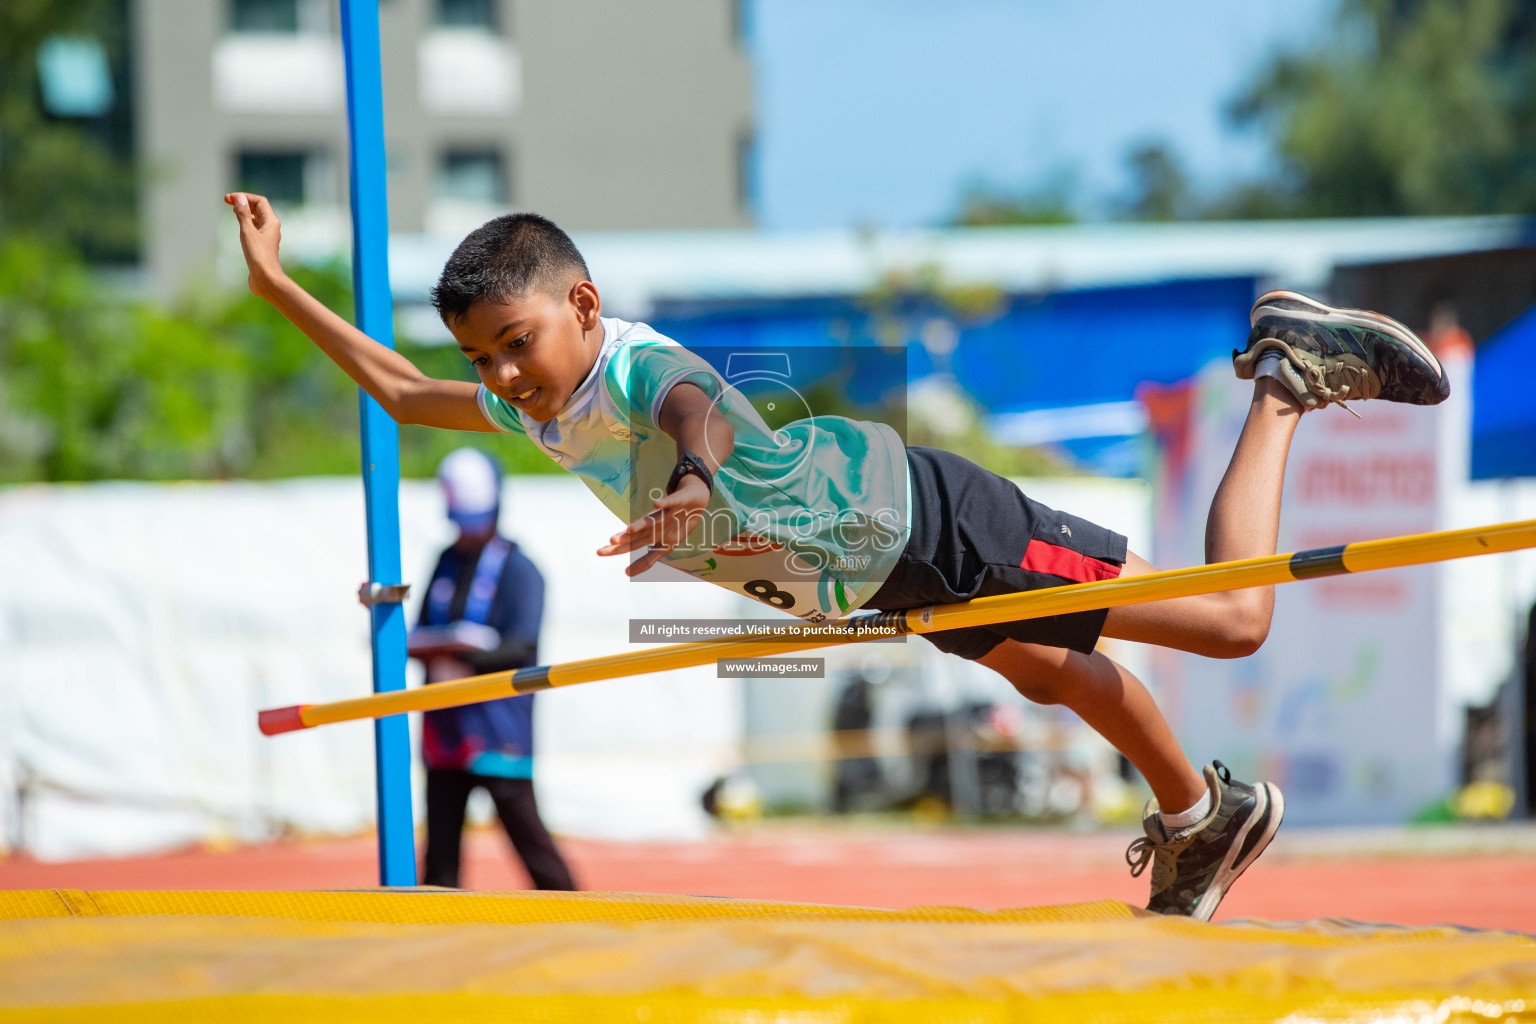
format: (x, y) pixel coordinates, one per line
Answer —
(533, 350)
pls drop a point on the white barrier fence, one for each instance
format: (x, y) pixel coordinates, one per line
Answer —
(142, 626)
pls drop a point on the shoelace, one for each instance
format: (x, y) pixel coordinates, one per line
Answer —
(1347, 379)
(1141, 851)
(1139, 854)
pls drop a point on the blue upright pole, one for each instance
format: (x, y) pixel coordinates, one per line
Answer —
(381, 437)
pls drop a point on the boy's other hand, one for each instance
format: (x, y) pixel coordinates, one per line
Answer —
(674, 518)
(260, 234)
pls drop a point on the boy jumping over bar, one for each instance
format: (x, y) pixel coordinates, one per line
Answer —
(827, 515)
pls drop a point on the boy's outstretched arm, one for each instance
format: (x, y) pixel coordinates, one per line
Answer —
(408, 395)
(689, 418)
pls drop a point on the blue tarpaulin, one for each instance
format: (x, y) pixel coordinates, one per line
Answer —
(1503, 406)
(1070, 348)
(1056, 368)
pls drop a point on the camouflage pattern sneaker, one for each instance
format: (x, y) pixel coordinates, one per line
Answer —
(1332, 356)
(1193, 868)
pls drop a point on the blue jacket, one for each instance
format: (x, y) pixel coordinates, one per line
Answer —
(493, 737)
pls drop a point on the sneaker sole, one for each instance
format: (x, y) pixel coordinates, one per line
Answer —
(1270, 812)
(1317, 312)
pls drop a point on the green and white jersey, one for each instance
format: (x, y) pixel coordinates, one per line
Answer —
(809, 518)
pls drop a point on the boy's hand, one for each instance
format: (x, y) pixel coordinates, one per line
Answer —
(260, 233)
(673, 520)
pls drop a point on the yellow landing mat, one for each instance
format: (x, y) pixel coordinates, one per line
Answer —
(428, 955)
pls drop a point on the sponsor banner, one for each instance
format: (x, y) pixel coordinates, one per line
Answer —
(1340, 705)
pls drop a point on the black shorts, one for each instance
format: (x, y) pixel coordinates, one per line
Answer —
(975, 534)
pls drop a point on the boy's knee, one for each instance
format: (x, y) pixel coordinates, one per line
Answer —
(1043, 690)
(1041, 675)
(1049, 686)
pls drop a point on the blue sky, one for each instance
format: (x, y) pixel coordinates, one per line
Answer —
(878, 112)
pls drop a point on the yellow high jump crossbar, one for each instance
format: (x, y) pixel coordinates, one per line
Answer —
(1362, 556)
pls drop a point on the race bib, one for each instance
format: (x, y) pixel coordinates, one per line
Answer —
(766, 571)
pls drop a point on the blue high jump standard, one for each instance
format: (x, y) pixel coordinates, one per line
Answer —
(380, 435)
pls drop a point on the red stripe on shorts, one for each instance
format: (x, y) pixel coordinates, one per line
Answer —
(1055, 560)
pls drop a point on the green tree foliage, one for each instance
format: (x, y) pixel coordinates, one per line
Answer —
(986, 205)
(94, 386)
(1418, 107)
(60, 179)
(1160, 188)
(1409, 107)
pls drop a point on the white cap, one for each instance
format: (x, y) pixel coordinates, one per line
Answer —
(472, 486)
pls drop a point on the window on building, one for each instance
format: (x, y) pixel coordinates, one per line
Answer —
(287, 17)
(472, 176)
(479, 14)
(280, 176)
(746, 171)
(741, 21)
(264, 15)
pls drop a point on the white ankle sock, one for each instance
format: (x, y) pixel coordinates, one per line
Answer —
(1173, 822)
(1269, 364)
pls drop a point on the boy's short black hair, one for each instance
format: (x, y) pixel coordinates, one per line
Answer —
(507, 258)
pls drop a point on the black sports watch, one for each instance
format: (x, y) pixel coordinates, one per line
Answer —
(689, 463)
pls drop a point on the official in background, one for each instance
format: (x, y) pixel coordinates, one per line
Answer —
(481, 614)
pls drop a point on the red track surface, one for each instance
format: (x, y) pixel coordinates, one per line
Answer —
(1477, 878)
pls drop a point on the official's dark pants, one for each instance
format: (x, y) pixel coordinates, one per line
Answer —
(447, 795)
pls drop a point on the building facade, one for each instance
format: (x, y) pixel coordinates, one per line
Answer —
(601, 114)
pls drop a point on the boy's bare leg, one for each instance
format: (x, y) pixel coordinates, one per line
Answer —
(1244, 523)
(1111, 700)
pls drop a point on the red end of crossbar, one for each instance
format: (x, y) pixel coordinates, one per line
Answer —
(282, 719)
